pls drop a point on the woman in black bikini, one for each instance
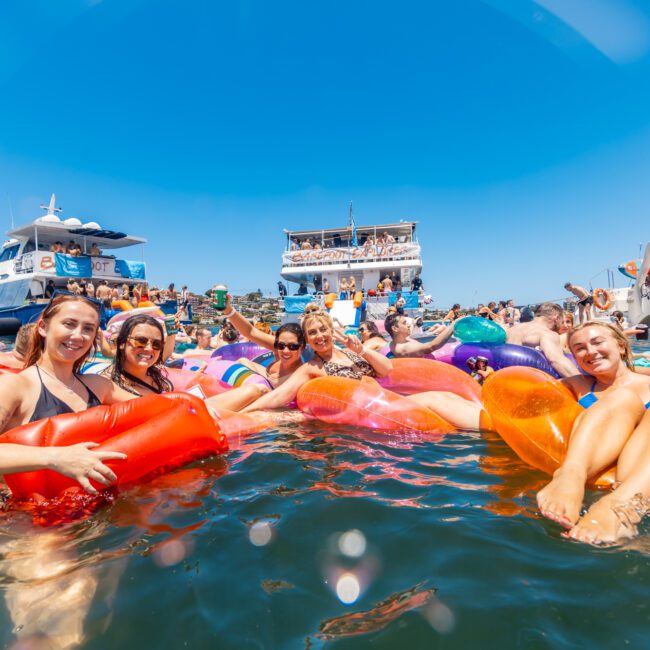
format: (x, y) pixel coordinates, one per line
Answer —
(50, 385)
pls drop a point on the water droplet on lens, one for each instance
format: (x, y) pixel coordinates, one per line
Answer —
(260, 533)
(352, 543)
(348, 588)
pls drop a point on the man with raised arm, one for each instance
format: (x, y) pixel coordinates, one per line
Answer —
(399, 328)
(542, 333)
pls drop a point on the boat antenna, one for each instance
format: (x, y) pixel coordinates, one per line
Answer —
(51, 210)
(352, 227)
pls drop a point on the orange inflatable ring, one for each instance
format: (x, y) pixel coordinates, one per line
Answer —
(602, 299)
(341, 400)
(410, 376)
(534, 413)
(121, 305)
(156, 432)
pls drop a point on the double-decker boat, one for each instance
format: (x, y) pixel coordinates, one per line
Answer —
(321, 263)
(28, 261)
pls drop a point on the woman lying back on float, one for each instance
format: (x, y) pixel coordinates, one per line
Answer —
(288, 344)
(615, 399)
(356, 362)
(51, 385)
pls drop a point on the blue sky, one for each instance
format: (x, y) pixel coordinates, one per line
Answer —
(516, 133)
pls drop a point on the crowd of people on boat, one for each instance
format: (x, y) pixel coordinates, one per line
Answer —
(614, 427)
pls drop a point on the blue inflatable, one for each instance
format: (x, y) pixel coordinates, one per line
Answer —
(474, 329)
(502, 356)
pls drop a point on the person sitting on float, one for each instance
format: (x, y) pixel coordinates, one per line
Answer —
(615, 399)
(542, 333)
(399, 328)
(356, 362)
(565, 328)
(288, 344)
(50, 385)
(227, 335)
(370, 336)
(138, 365)
(454, 313)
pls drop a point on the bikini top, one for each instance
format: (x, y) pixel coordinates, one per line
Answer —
(361, 367)
(49, 404)
(590, 398)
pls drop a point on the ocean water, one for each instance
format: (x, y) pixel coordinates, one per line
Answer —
(322, 536)
(317, 536)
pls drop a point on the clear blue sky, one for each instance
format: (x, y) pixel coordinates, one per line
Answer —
(516, 132)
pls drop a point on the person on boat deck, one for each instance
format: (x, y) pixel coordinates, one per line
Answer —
(616, 401)
(94, 250)
(72, 286)
(138, 365)
(399, 328)
(388, 283)
(585, 301)
(90, 288)
(104, 293)
(416, 284)
(73, 249)
(542, 333)
(356, 362)
(57, 247)
(343, 288)
(399, 304)
(287, 343)
(50, 288)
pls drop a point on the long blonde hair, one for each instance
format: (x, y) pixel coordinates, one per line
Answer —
(619, 337)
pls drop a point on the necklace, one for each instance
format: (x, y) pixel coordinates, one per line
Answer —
(49, 374)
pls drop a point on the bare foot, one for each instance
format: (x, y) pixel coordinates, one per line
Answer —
(610, 520)
(562, 498)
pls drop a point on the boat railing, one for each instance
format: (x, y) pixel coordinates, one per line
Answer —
(45, 263)
(352, 255)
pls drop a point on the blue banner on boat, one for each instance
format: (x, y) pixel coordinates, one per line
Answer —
(76, 267)
(411, 298)
(296, 304)
(128, 269)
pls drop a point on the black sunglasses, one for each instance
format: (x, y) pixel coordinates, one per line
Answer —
(292, 346)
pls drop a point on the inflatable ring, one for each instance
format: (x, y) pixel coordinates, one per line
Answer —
(156, 432)
(341, 400)
(602, 299)
(232, 373)
(534, 414)
(234, 351)
(116, 321)
(474, 329)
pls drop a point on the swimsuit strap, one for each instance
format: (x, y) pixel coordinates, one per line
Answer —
(139, 382)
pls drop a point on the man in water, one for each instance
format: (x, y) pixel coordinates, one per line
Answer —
(585, 301)
(510, 314)
(399, 328)
(542, 333)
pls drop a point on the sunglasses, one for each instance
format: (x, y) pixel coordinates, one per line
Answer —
(143, 341)
(292, 346)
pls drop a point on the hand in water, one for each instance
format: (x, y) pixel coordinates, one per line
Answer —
(81, 464)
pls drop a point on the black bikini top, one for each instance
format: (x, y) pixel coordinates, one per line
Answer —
(49, 404)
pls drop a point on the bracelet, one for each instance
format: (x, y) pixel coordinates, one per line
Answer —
(229, 314)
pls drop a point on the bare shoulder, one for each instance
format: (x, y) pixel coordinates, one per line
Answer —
(579, 384)
(99, 385)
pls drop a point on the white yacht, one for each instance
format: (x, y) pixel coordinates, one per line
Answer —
(317, 261)
(27, 262)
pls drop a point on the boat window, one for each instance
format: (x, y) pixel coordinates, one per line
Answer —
(9, 253)
(29, 247)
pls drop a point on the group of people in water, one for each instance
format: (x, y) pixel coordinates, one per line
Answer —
(614, 428)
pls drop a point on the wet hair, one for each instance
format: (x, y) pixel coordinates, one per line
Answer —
(618, 315)
(548, 309)
(23, 337)
(373, 330)
(390, 322)
(617, 334)
(156, 372)
(455, 306)
(229, 333)
(291, 328)
(37, 340)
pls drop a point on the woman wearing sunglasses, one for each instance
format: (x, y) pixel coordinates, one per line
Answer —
(370, 336)
(288, 344)
(138, 365)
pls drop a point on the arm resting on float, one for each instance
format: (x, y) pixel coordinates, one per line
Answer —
(380, 364)
(550, 345)
(285, 393)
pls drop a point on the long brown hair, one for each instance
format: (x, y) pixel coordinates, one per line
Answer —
(619, 337)
(37, 341)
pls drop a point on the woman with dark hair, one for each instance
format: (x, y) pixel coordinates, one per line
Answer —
(454, 313)
(288, 344)
(370, 336)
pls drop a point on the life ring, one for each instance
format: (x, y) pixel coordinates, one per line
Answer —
(534, 414)
(156, 432)
(602, 299)
(341, 400)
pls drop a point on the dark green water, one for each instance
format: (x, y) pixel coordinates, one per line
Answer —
(246, 551)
